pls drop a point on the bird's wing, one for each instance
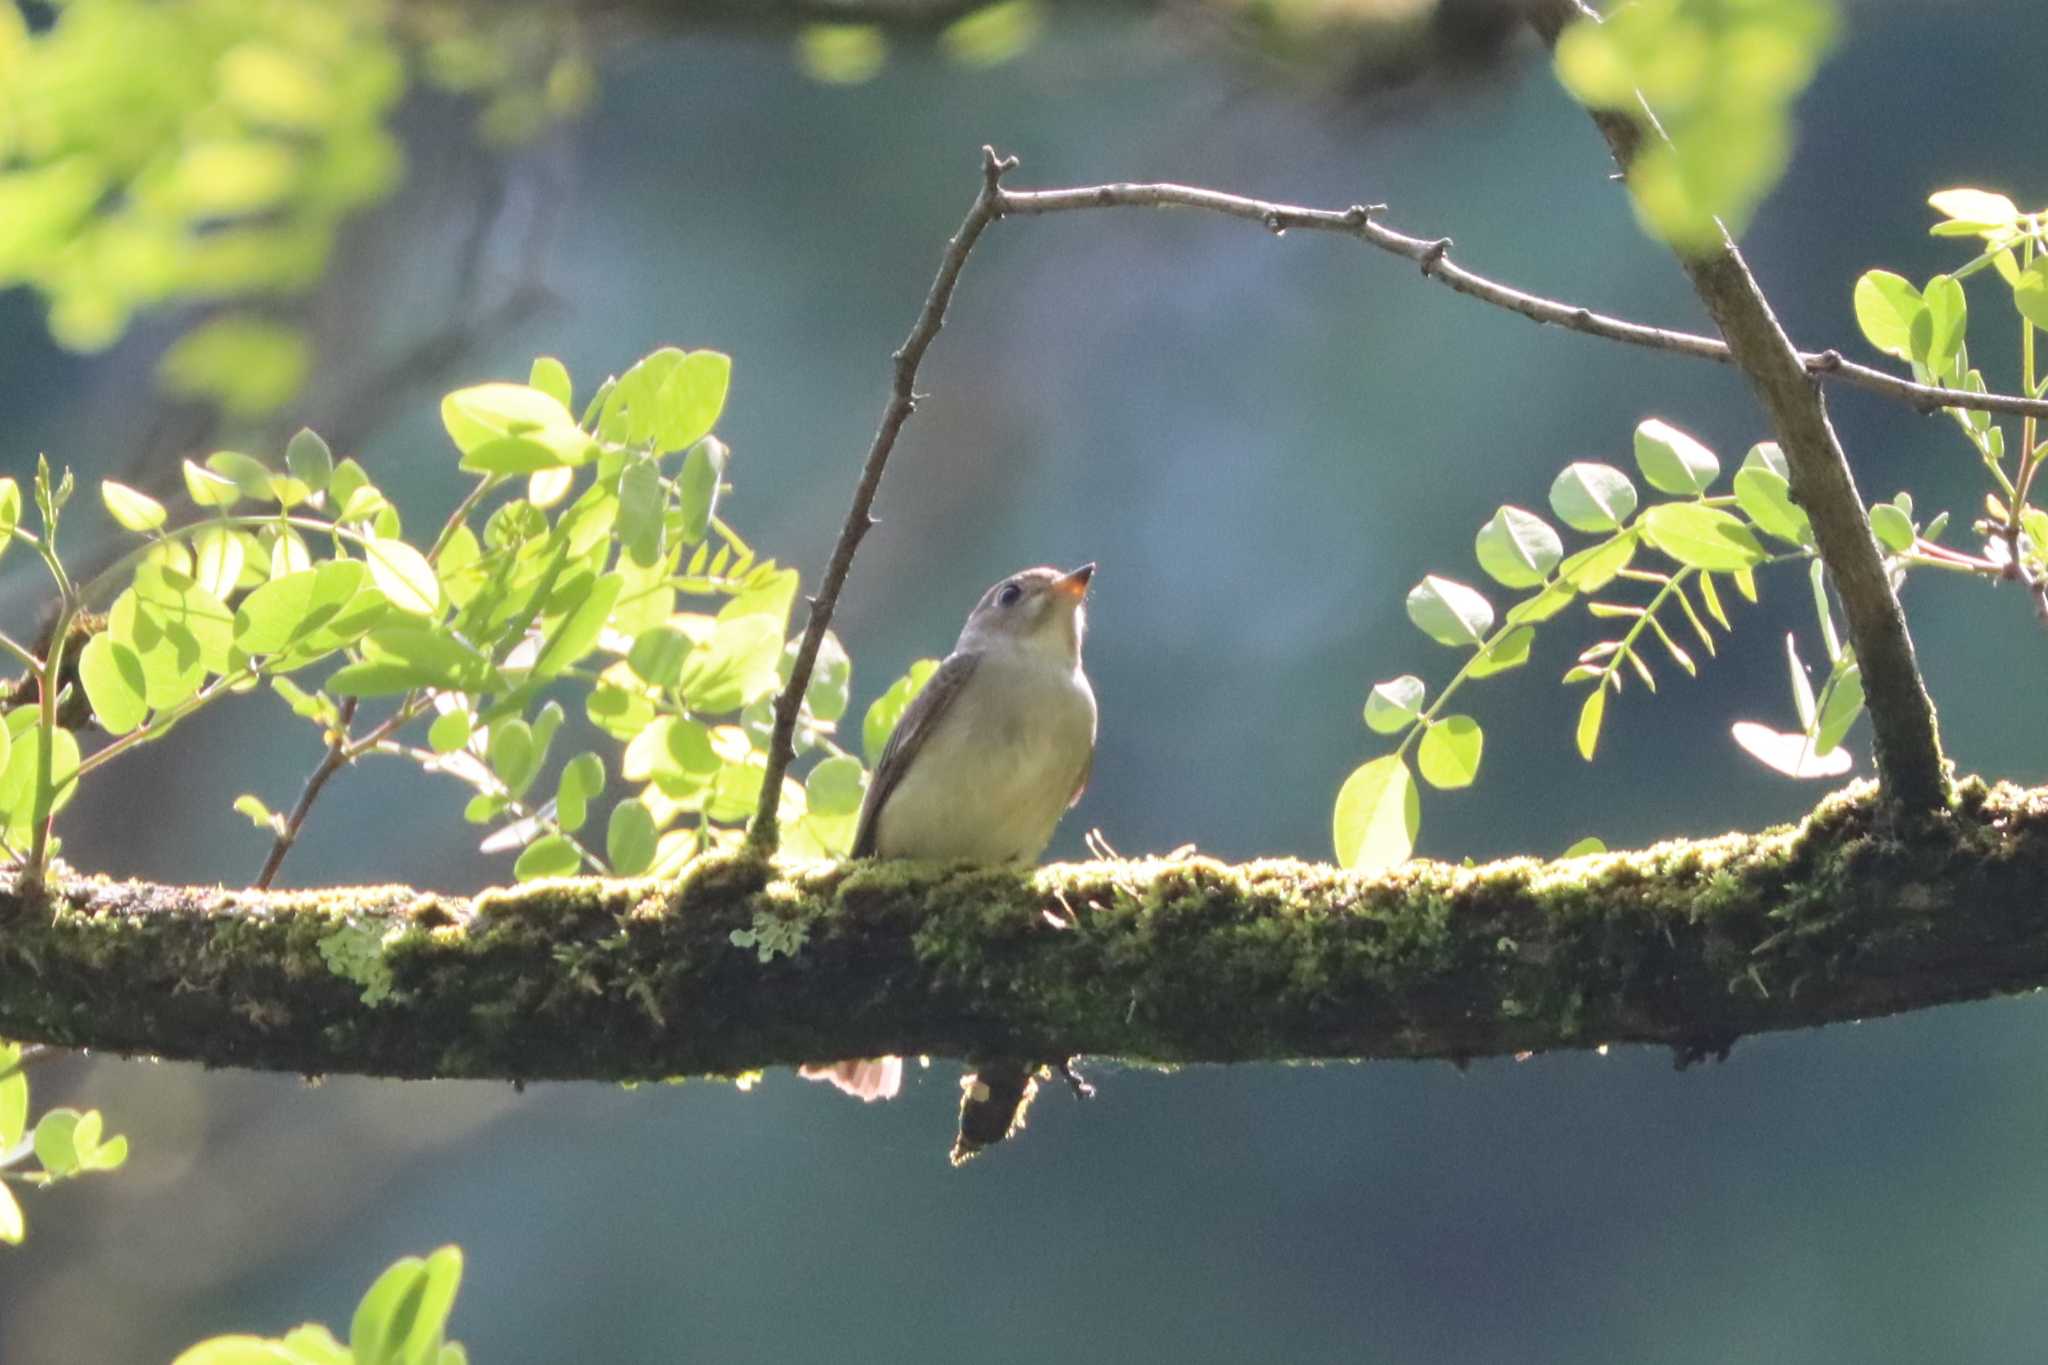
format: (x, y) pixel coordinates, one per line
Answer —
(916, 724)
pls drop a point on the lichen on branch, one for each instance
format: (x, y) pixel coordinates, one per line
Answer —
(1689, 944)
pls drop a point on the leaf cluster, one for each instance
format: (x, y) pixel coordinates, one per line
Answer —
(65, 1143)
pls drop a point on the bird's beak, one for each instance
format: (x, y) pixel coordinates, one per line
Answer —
(1075, 584)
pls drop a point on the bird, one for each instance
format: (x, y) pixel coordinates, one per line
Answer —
(982, 764)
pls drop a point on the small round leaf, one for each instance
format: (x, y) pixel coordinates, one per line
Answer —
(1672, 461)
(1449, 612)
(1592, 497)
(1378, 814)
(1393, 705)
(1449, 753)
(1517, 548)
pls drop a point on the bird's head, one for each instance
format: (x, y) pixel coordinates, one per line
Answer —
(1041, 610)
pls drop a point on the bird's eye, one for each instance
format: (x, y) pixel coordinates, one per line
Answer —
(1009, 596)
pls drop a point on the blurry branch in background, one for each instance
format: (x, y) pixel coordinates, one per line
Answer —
(1908, 747)
(1690, 944)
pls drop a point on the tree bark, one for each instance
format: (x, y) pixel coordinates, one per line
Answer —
(1689, 944)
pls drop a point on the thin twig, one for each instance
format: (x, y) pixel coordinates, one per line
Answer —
(333, 761)
(988, 206)
(1433, 256)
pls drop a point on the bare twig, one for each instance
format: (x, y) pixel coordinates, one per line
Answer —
(333, 761)
(1906, 741)
(765, 835)
(1432, 255)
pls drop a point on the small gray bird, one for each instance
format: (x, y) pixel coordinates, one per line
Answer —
(990, 755)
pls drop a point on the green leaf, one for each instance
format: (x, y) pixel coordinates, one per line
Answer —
(551, 377)
(697, 487)
(1377, 816)
(551, 855)
(53, 1141)
(1589, 845)
(10, 511)
(1554, 598)
(1702, 537)
(582, 779)
(13, 1097)
(831, 678)
(737, 665)
(1590, 715)
(657, 655)
(130, 508)
(209, 489)
(1511, 650)
(385, 1318)
(1766, 498)
(512, 754)
(1972, 213)
(309, 460)
(1594, 567)
(483, 413)
(241, 1349)
(1392, 706)
(218, 557)
(1672, 461)
(629, 838)
(512, 455)
(881, 718)
(1517, 548)
(641, 512)
(1839, 709)
(12, 1228)
(1592, 497)
(258, 814)
(835, 787)
(403, 575)
(1937, 332)
(251, 477)
(577, 634)
(1449, 612)
(2030, 292)
(114, 683)
(1894, 529)
(1886, 305)
(691, 399)
(449, 732)
(1448, 755)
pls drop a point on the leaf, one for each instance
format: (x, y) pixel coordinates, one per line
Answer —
(258, 814)
(209, 489)
(1585, 847)
(512, 455)
(1592, 497)
(1971, 212)
(1517, 549)
(551, 855)
(53, 1141)
(1449, 612)
(1377, 816)
(388, 1312)
(1509, 651)
(551, 377)
(629, 838)
(1893, 528)
(114, 683)
(1590, 715)
(1937, 333)
(1672, 461)
(218, 558)
(1802, 686)
(450, 731)
(880, 720)
(476, 416)
(1886, 305)
(13, 1097)
(691, 399)
(2030, 292)
(13, 1229)
(309, 460)
(240, 1349)
(1766, 498)
(1594, 567)
(582, 779)
(737, 665)
(697, 487)
(1702, 537)
(1839, 708)
(1448, 755)
(835, 787)
(403, 575)
(577, 634)
(512, 754)
(1790, 754)
(1392, 706)
(831, 678)
(130, 508)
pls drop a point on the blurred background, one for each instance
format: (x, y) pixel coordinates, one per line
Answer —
(1265, 443)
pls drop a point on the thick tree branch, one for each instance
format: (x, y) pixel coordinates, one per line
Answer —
(1689, 944)
(1907, 744)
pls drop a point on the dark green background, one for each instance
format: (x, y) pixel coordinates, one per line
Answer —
(1264, 443)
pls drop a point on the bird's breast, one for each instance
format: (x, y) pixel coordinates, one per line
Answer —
(992, 780)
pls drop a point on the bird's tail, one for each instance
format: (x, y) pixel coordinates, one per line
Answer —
(864, 1078)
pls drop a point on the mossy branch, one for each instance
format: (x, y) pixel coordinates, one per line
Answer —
(1689, 944)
